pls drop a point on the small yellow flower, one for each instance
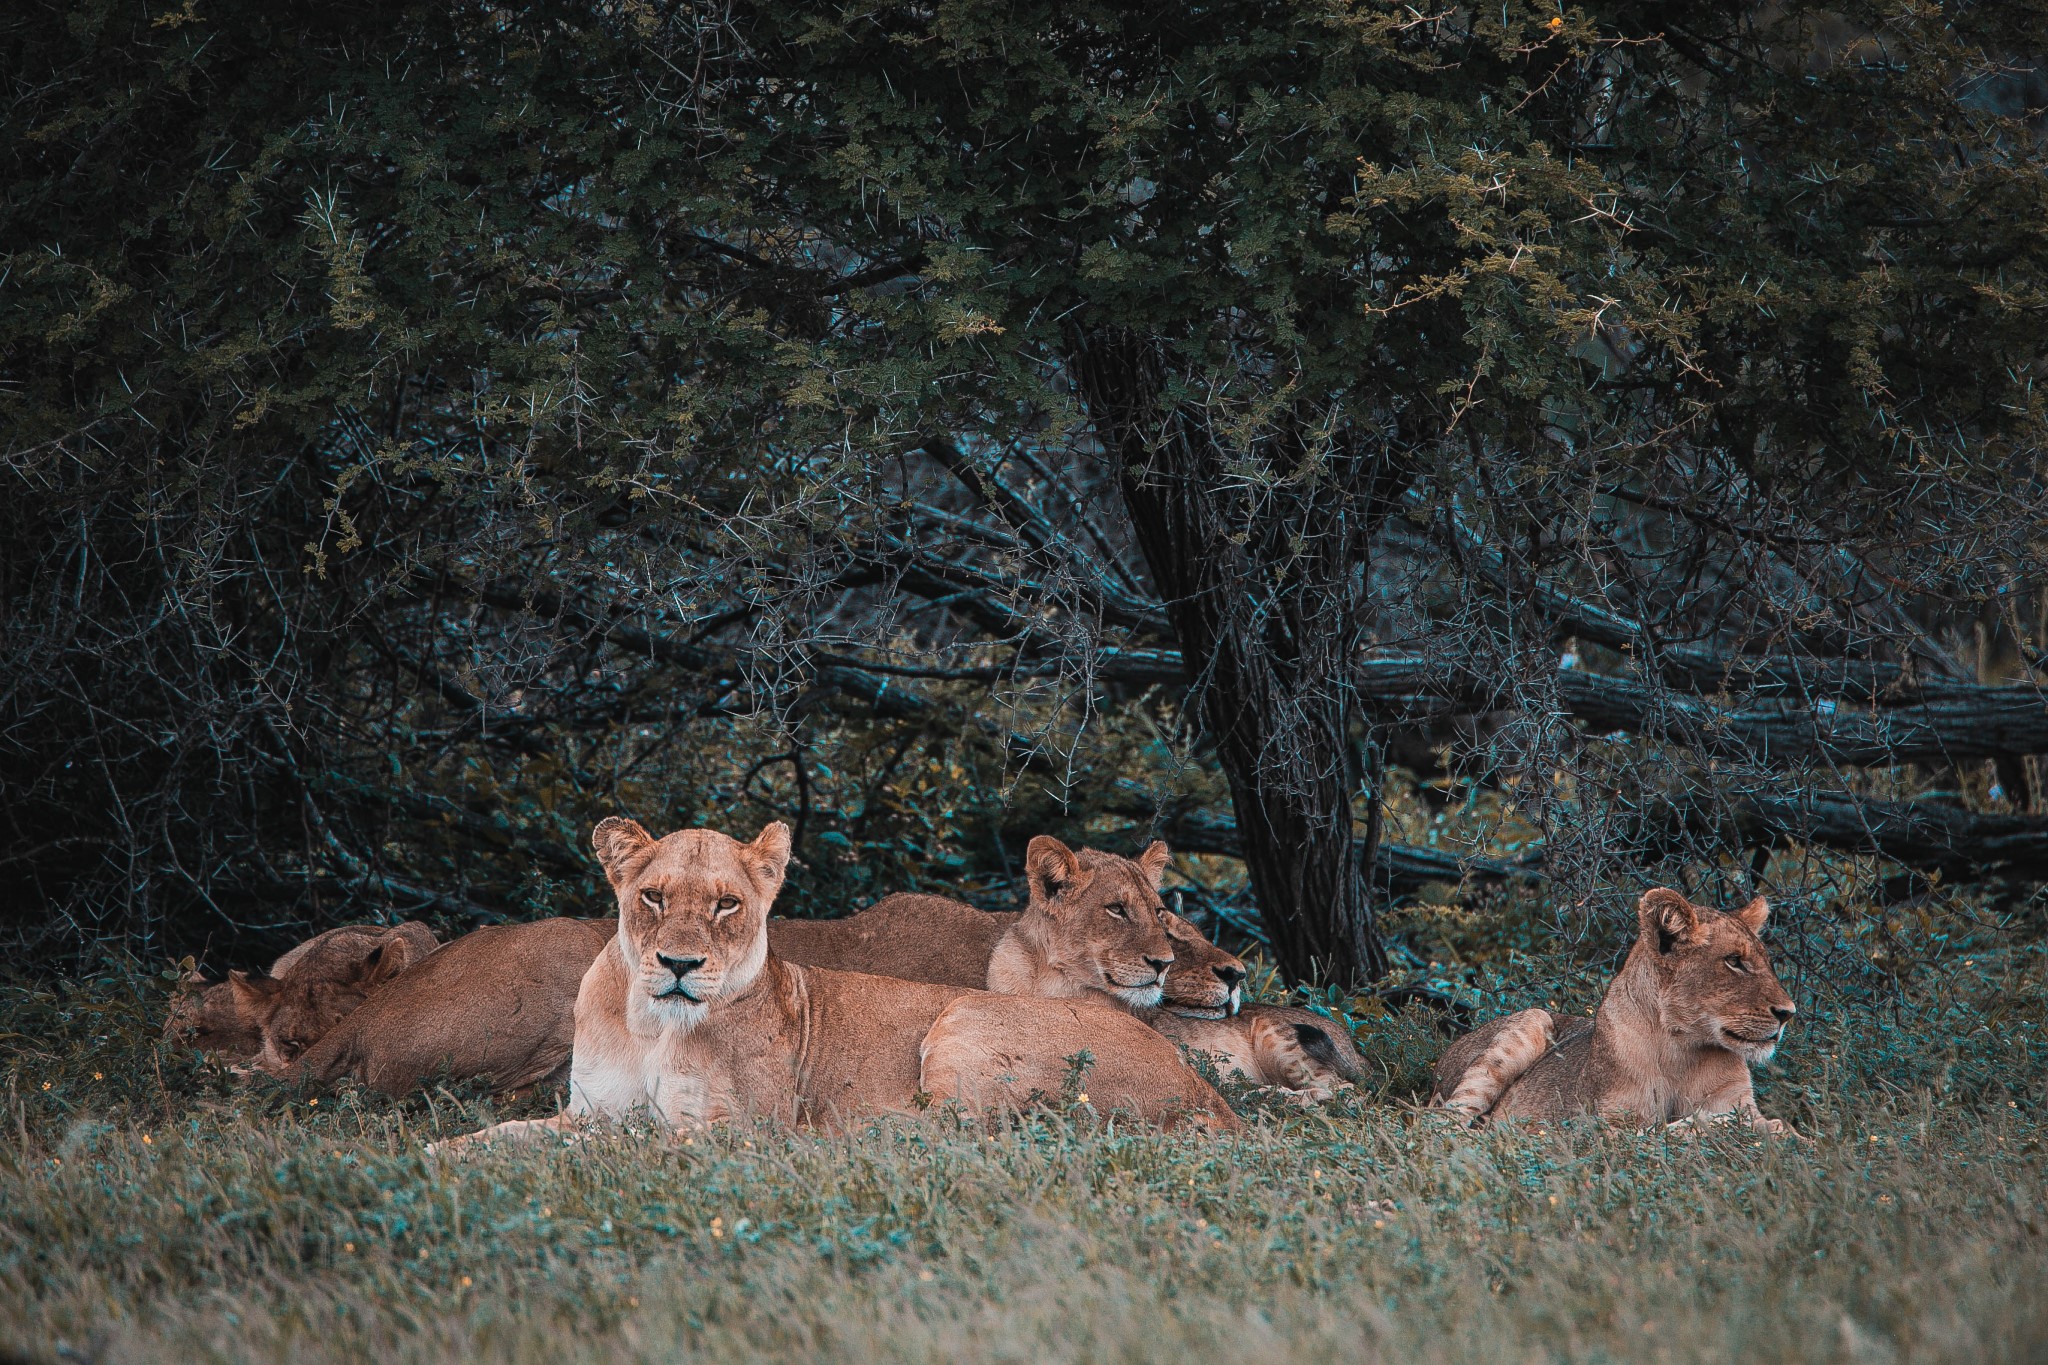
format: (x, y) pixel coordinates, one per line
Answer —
(145, 1140)
(96, 1076)
(926, 1276)
(1555, 24)
(1553, 1201)
(718, 1227)
(465, 1281)
(632, 1300)
(1082, 1098)
(1379, 1222)
(46, 1085)
(312, 1102)
(348, 1246)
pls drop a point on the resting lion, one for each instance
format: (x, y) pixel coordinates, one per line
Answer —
(1692, 1009)
(271, 1016)
(1094, 927)
(1091, 928)
(691, 1017)
(495, 1005)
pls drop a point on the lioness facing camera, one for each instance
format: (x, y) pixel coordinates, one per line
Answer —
(1692, 1009)
(690, 1018)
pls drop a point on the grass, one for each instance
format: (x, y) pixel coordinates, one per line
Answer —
(149, 1209)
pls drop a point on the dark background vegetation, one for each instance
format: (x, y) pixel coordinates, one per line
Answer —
(1528, 452)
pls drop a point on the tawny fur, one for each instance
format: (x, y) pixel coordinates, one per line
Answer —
(911, 937)
(691, 1019)
(1501, 1051)
(1281, 1046)
(1068, 944)
(1093, 926)
(1692, 1009)
(496, 1005)
(307, 991)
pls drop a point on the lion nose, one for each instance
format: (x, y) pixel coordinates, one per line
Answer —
(679, 966)
(1230, 976)
(1159, 964)
(1784, 1013)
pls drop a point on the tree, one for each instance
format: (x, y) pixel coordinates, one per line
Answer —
(479, 390)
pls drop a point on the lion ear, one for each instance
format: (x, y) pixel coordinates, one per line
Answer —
(1668, 919)
(768, 855)
(1754, 914)
(619, 844)
(1154, 860)
(251, 991)
(391, 956)
(1050, 867)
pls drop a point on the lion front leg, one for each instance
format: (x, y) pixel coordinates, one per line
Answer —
(1746, 1114)
(512, 1133)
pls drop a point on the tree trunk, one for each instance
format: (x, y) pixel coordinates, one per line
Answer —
(1264, 583)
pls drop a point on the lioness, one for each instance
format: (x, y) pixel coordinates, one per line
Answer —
(1693, 1008)
(306, 992)
(495, 1005)
(1091, 929)
(691, 1017)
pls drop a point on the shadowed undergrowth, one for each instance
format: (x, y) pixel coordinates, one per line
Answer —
(153, 1210)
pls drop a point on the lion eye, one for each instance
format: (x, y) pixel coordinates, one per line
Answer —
(1116, 908)
(1736, 963)
(727, 904)
(651, 898)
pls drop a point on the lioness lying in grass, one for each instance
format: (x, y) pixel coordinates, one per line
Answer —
(1692, 1009)
(1094, 927)
(267, 1018)
(496, 1005)
(691, 1018)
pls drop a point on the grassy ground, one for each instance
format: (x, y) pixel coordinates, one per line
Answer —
(148, 1209)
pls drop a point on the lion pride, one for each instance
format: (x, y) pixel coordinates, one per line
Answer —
(690, 1017)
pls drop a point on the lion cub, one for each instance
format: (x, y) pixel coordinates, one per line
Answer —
(1693, 1008)
(691, 1017)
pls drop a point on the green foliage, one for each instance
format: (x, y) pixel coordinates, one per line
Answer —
(431, 428)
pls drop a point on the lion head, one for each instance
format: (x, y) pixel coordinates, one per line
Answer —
(265, 1019)
(693, 911)
(1713, 979)
(1204, 982)
(1105, 924)
(321, 986)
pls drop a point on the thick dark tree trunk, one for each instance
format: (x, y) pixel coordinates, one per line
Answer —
(1264, 583)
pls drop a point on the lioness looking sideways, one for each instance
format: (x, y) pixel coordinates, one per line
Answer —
(1692, 1009)
(1094, 927)
(689, 1017)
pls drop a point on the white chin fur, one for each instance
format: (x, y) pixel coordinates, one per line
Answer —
(1140, 997)
(676, 1011)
